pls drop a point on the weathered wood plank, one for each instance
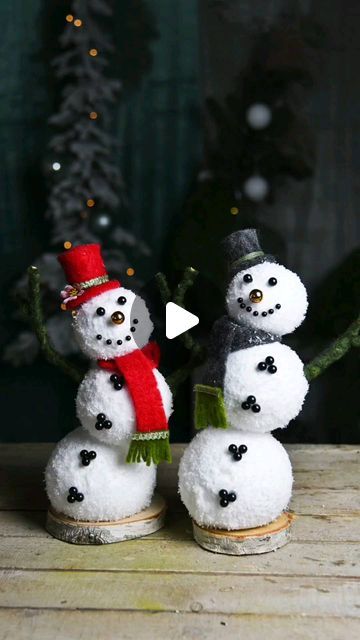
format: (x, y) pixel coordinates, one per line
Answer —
(24, 495)
(315, 467)
(226, 594)
(325, 501)
(112, 625)
(304, 456)
(22, 486)
(322, 559)
(329, 528)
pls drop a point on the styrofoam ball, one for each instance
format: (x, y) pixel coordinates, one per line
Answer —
(284, 303)
(258, 116)
(88, 325)
(279, 395)
(112, 488)
(256, 188)
(261, 480)
(97, 395)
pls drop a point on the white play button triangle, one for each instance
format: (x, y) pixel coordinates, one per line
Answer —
(178, 320)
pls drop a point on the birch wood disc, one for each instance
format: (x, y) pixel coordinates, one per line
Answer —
(246, 541)
(85, 532)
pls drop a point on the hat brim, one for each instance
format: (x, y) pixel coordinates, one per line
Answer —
(251, 263)
(91, 293)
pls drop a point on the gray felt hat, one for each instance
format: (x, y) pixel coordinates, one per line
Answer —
(242, 250)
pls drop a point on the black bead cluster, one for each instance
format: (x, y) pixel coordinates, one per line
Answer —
(268, 364)
(237, 452)
(87, 456)
(102, 423)
(226, 497)
(250, 402)
(74, 494)
(117, 381)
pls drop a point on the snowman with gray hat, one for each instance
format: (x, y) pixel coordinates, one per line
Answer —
(235, 474)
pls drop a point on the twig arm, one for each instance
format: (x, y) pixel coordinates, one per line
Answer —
(185, 283)
(35, 314)
(197, 352)
(164, 288)
(336, 350)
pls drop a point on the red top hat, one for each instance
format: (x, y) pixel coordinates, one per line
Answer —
(86, 274)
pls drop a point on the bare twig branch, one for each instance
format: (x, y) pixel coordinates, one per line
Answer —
(197, 352)
(336, 350)
(36, 319)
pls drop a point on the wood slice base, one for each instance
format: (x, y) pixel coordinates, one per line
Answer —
(84, 532)
(246, 541)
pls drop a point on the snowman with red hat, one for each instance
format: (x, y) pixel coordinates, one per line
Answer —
(105, 470)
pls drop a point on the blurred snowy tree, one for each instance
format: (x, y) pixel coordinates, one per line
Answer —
(87, 195)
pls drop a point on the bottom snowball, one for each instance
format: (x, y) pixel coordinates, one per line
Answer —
(111, 488)
(222, 490)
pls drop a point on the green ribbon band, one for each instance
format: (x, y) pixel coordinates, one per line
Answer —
(249, 256)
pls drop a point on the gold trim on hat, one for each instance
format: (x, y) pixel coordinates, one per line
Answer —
(92, 283)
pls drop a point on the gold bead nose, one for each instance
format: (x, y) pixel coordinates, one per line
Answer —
(117, 317)
(256, 295)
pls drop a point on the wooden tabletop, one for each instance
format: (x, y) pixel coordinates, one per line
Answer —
(164, 585)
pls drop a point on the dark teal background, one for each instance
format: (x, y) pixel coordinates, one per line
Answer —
(159, 123)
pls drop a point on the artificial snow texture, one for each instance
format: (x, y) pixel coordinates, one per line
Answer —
(280, 395)
(96, 395)
(88, 325)
(112, 488)
(262, 479)
(289, 292)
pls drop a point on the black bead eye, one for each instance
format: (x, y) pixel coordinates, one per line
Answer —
(272, 282)
(247, 277)
(100, 311)
(122, 300)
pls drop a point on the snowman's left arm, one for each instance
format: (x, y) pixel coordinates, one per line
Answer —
(34, 313)
(335, 351)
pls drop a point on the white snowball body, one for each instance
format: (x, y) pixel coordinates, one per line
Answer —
(256, 188)
(288, 292)
(279, 395)
(258, 115)
(97, 395)
(261, 480)
(112, 488)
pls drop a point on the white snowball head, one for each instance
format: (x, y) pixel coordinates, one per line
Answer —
(256, 188)
(268, 296)
(112, 324)
(258, 116)
(260, 481)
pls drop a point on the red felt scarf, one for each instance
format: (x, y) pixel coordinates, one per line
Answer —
(137, 369)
